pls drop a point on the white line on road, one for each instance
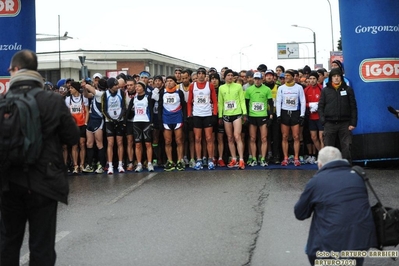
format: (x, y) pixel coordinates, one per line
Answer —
(131, 188)
(25, 258)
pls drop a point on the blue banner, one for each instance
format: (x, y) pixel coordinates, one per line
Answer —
(18, 31)
(370, 38)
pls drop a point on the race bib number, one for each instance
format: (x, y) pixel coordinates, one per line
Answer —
(170, 99)
(258, 106)
(140, 111)
(76, 109)
(230, 105)
(290, 101)
(201, 99)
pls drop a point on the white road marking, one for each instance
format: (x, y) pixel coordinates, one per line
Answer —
(25, 258)
(131, 188)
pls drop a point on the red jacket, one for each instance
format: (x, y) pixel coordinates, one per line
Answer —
(312, 94)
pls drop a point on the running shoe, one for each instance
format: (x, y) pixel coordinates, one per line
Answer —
(221, 163)
(301, 160)
(120, 169)
(284, 162)
(75, 170)
(170, 166)
(150, 167)
(186, 161)
(181, 166)
(297, 162)
(250, 159)
(81, 167)
(290, 159)
(130, 167)
(139, 168)
(263, 163)
(155, 162)
(211, 165)
(233, 163)
(241, 165)
(198, 165)
(204, 161)
(253, 163)
(99, 169)
(110, 170)
(88, 169)
(191, 164)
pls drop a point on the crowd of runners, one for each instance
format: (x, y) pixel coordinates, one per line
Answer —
(197, 119)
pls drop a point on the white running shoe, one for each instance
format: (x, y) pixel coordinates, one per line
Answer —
(110, 170)
(150, 167)
(120, 169)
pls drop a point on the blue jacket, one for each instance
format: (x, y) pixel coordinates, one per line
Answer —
(342, 218)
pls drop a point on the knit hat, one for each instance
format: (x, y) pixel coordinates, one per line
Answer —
(214, 76)
(262, 68)
(228, 71)
(333, 72)
(314, 74)
(142, 84)
(75, 85)
(340, 65)
(102, 84)
(172, 77)
(306, 69)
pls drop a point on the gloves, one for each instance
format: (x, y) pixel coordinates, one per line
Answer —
(278, 119)
(301, 120)
(313, 106)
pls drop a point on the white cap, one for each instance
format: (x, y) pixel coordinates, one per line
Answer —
(97, 75)
(257, 75)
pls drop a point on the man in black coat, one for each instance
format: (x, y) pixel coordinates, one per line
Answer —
(338, 113)
(33, 196)
(338, 200)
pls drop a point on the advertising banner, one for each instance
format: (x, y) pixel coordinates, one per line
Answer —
(18, 32)
(370, 38)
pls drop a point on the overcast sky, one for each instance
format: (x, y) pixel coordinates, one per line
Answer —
(211, 33)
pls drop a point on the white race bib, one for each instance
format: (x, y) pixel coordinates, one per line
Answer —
(258, 106)
(230, 105)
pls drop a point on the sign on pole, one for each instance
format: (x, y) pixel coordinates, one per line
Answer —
(287, 51)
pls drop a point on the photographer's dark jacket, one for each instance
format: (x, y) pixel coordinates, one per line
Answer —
(342, 218)
(49, 176)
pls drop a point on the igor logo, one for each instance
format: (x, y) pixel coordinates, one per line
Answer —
(9, 8)
(379, 69)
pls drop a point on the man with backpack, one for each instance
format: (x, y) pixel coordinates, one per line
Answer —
(32, 187)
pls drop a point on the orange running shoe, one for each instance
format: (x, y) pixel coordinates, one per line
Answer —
(233, 163)
(241, 165)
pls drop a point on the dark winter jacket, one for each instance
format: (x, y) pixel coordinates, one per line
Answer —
(338, 200)
(49, 176)
(338, 105)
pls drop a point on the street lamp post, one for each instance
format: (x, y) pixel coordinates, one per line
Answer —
(314, 41)
(59, 38)
(332, 30)
(241, 53)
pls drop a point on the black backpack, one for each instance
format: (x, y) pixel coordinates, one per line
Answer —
(20, 129)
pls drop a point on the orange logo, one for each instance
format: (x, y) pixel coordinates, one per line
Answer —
(10, 8)
(379, 69)
(4, 83)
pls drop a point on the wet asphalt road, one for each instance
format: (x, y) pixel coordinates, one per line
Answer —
(229, 217)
